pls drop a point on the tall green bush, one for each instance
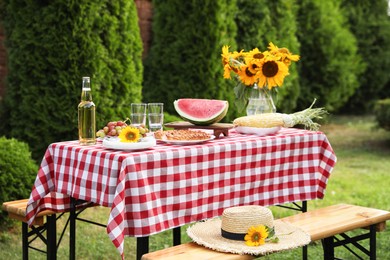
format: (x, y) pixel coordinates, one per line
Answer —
(185, 56)
(260, 22)
(382, 113)
(253, 21)
(370, 23)
(17, 171)
(51, 45)
(330, 64)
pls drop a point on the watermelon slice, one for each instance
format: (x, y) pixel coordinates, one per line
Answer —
(201, 111)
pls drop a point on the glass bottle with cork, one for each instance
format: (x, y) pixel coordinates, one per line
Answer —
(86, 115)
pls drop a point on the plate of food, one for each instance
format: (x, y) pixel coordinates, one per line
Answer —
(256, 130)
(183, 136)
(116, 144)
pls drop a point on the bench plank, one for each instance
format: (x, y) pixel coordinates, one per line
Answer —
(320, 223)
(17, 210)
(192, 251)
(337, 219)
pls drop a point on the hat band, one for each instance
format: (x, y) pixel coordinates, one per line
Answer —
(233, 236)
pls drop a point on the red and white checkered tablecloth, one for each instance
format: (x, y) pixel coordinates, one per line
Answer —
(168, 186)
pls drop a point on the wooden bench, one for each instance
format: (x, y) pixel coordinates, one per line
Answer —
(322, 224)
(17, 210)
(45, 221)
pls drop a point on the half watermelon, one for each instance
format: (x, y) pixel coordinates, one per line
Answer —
(201, 111)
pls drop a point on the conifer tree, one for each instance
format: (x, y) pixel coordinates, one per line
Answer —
(51, 45)
(184, 60)
(260, 22)
(370, 23)
(330, 65)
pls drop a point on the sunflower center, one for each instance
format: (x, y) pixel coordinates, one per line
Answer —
(258, 56)
(130, 136)
(248, 73)
(256, 237)
(270, 69)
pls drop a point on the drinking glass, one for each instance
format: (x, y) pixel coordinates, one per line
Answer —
(155, 116)
(138, 114)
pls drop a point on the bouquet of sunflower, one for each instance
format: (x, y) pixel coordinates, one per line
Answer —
(257, 69)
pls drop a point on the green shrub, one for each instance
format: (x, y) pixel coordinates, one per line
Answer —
(330, 64)
(260, 22)
(382, 113)
(51, 45)
(184, 60)
(171, 118)
(370, 23)
(17, 172)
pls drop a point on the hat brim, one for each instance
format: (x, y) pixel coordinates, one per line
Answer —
(208, 234)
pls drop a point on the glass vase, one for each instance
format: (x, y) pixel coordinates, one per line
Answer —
(260, 101)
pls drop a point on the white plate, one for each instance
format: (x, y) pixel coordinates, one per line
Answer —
(114, 143)
(186, 142)
(257, 131)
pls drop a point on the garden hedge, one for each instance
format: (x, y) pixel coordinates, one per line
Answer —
(370, 23)
(17, 172)
(330, 64)
(260, 22)
(185, 56)
(51, 45)
(382, 113)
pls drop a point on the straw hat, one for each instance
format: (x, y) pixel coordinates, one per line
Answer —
(227, 234)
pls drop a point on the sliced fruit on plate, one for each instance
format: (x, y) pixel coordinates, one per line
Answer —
(201, 111)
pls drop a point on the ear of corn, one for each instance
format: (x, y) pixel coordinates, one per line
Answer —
(268, 120)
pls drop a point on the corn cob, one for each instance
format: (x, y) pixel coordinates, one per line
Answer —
(268, 120)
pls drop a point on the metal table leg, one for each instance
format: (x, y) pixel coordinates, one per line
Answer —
(51, 233)
(304, 248)
(72, 230)
(176, 236)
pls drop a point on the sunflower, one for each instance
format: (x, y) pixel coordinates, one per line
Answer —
(226, 71)
(129, 135)
(273, 48)
(256, 236)
(246, 76)
(254, 65)
(225, 55)
(256, 68)
(283, 54)
(272, 73)
(254, 54)
(230, 61)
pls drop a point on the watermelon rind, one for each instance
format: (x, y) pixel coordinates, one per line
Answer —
(204, 104)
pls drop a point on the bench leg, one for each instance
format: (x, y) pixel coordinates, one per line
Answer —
(142, 246)
(372, 242)
(25, 240)
(328, 246)
(51, 234)
(330, 243)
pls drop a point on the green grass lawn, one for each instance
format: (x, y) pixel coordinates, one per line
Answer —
(361, 177)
